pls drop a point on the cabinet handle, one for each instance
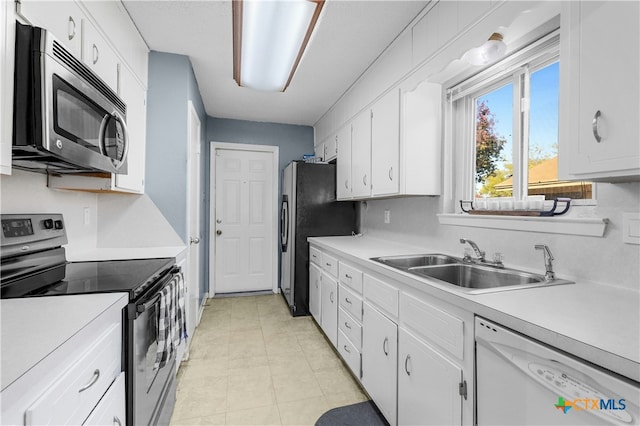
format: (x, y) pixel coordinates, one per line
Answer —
(346, 183)
(364, 180)
(346, 349)
(346, 324)
(116, 421)
(346, 299)
(331, 297)
(348, 276)
(316, 283)
(594, 126)
(391, 173)
(406, 365)
(96, 54)
(384, 346)
(71, 29)
(94, 379)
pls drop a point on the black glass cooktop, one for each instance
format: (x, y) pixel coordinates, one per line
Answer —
(131, 276)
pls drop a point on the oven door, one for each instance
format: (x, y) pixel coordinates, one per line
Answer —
(153, 390)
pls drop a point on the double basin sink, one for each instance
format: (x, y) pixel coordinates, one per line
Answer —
(468, 277)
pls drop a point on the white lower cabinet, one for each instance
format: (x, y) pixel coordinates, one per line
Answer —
(314, 291)
(428, 384)
(329, 307)
(380, 360)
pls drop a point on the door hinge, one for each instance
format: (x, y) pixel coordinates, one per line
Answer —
(462, 388)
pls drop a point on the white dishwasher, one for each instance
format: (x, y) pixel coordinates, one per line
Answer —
(522, 382)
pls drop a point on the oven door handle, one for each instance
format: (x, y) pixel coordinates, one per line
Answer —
(141, 307)
(144, 306)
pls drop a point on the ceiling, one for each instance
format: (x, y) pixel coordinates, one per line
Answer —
(348, 37)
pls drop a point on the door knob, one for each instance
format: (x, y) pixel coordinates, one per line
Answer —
(195, 240)
(218, 232)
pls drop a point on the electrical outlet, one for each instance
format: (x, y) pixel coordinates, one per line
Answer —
(387, 216)
(87, 215)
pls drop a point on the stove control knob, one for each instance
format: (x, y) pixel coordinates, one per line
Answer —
(58, 224)
(47, 223)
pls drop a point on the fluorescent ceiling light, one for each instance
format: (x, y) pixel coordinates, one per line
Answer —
(492, 50)
(269, 38)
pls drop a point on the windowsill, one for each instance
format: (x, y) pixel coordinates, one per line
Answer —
(592, 227)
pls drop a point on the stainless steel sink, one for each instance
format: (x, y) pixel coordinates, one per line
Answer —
(467, 277)
(418, 260)
(474, 278)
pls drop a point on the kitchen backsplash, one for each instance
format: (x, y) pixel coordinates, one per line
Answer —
(606, 260)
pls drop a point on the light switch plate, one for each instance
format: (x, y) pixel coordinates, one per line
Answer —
(631, 228)
(387, 216)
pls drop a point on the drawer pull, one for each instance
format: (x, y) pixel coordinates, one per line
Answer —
(346, 324)
(346, 299)
(346, 348)
(328, 264)
(348, 276)
(116, 421)
(406, 365)
(385, 344)
(94, 379)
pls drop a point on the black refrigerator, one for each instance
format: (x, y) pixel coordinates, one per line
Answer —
(308, 209)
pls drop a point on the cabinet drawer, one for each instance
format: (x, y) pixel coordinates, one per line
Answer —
(349, 354)
(330, 264)
(65, 401)
(351, 302)
(382, 295)
(112, 408)
(433, 324)
(350, 327)
(350, 276)
(315, 256)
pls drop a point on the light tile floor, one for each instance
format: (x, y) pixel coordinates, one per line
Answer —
(252, 363)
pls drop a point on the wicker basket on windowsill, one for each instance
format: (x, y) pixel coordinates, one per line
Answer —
(553, 211)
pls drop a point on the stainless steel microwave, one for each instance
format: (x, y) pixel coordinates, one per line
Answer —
(66, 119)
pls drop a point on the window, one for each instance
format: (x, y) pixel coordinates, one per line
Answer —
(505, 123)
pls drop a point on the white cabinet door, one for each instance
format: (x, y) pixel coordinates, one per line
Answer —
(314, 292)
(343, 164)
(318, 150)
(599, 90)
(385, 145)
(62, 18)
(7, 43)
(98, 55)
(134, 95)
(329, 307)
(361, 155)
(428, 385)
(112, 408)
(380, 360)
(331, 148)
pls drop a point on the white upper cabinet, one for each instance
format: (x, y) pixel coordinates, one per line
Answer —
(343, 164)
(385, 145)
(599, 86)
(62, 18)
(98, 55)
(361, 155)
(421, 147)
(331, 148)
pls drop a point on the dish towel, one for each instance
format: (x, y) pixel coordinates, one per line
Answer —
(172, 323)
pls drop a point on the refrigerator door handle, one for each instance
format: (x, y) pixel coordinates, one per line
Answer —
(284, 223)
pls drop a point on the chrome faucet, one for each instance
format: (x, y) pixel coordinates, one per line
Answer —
(479, 253)
(548, 262)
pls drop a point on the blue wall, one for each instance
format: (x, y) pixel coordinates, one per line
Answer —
(171, 85)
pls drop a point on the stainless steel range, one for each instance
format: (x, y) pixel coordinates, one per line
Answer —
(34, 265)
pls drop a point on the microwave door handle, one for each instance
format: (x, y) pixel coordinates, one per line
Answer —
(125, 134)
(103, 133)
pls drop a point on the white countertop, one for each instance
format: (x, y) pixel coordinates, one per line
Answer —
(123, 253)
(32, 328)
(598, 323)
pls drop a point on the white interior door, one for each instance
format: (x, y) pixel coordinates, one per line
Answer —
(244, 224)
(193, 274)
